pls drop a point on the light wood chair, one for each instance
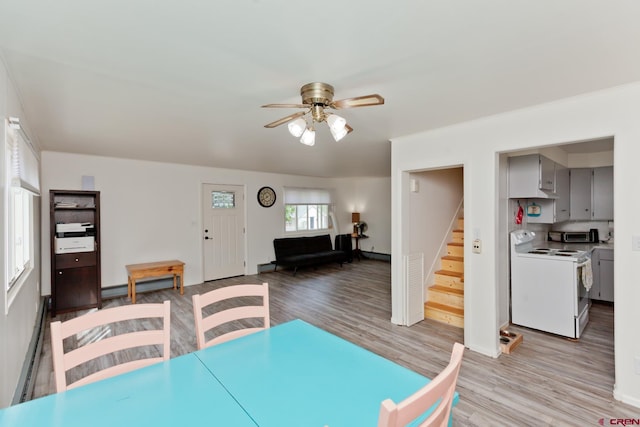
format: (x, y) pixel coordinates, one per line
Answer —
(220, 317)
(439, 391)
(103, 321)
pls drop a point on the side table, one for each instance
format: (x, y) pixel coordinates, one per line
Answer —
(357, 252)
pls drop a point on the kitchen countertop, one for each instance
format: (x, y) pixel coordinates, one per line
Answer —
(588, 247)
(605, 245)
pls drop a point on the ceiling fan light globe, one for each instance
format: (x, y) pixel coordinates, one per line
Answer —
(308, 137)
(339, 134)
(297, 127)
(335, 122)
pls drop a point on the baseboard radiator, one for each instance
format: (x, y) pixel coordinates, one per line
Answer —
(27, 380)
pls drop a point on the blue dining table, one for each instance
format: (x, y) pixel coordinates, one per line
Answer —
(296, 374)
(293, 374)
(177, 392)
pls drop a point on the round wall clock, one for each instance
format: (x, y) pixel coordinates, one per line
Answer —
(266, 197)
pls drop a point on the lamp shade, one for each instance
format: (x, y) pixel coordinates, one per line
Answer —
(337, 126)
(308, 137)
(338, 134)
(336, 122)
(297, 127)
(355, 217)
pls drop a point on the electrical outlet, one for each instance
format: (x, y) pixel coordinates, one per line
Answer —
(476, 247)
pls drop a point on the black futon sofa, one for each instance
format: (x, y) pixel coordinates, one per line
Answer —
(304, 251)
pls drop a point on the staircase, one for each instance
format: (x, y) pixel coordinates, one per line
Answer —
(445, 299)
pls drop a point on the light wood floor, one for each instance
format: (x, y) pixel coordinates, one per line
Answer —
(547, 381)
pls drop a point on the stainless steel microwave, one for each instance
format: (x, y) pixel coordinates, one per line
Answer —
(590, 236)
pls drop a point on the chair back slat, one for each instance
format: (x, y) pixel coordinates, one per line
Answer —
(109, 345)
(111, 315)
(231, 314)
(115, 370)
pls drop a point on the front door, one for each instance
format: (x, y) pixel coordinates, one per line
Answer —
(223, 231)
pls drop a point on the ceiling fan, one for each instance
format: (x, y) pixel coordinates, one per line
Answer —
(316, 99)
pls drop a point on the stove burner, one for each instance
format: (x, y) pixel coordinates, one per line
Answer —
(555, 252)
(568, 252)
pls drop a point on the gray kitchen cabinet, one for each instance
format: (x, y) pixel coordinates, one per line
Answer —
(594, 292)
(591, 194)
(531, 176)
(547, 174)
(602, 266)
(563, 190)
(550, 211)
(602, 204)
(580, 194)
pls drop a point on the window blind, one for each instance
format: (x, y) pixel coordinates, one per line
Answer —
(306, 196)
(24, 162)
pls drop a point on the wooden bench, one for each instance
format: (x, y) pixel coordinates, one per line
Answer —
(145, 270)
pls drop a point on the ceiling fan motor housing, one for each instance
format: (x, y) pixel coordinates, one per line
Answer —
(317, 93)
(319, 96)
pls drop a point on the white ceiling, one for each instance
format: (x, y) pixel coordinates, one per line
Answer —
(183, 81)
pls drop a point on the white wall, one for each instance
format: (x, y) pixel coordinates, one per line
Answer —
(477, 145)
(590, 160)
(18, 309)
(372, 198)
(152, 211)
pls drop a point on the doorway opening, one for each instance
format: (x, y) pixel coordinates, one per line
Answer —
(579, 209)
(436, 239)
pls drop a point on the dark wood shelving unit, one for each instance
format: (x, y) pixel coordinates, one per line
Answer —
(75, 275)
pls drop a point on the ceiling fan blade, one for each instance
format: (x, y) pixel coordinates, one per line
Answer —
(358, 101)
(286, 119)
(286, 106)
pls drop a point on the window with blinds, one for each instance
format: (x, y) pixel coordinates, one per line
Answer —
(307, 209)
(22, 184)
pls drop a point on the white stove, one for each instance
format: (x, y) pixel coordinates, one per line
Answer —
(548, 292)
(523, 244)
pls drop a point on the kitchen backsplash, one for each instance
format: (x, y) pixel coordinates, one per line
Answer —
(605, 228)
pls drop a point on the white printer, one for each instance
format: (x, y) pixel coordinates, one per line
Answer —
(65, 245)
(74, 227)
(74, 237)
